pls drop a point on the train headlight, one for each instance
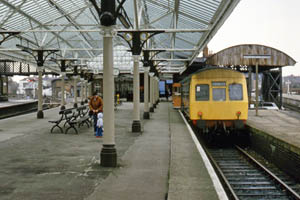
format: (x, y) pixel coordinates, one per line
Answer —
(238, 114)
(200, 114)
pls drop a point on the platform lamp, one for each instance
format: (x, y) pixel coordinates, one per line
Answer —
(40, 56)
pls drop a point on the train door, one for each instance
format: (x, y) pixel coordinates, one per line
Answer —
(176, 95)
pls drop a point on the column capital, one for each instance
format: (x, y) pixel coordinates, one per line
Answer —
(136, 58)
(40, 69)
(63, 73)
(109, 31)
(146, 69)
(151, 74)
(75, 77)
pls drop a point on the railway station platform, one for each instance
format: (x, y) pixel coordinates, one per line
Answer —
(276, 135)
(284, 125)
(162, 162)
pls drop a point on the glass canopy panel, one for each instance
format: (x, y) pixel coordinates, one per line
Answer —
(43, 15)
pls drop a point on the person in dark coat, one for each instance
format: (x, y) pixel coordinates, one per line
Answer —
(96, 106)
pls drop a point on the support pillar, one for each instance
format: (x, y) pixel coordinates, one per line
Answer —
(40, 113)
(136, 124)
(75, 92)
(89, 89)
(256, 88)
(108, 155)
(62, 104)
(3, 88)
(154, 93)
(157, 91)
(151, 94)
(280, 88)
(146, 93)
(82, 91)
(86, 91)
(249, 84)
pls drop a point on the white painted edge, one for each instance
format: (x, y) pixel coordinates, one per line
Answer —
(216, 182)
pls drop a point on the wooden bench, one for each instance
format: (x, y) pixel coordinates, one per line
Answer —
(57, 122)
(72, 117)
(83, 116)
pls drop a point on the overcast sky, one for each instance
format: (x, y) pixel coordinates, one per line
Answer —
(273, 23)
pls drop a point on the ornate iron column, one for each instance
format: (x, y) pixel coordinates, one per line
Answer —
(108, 153)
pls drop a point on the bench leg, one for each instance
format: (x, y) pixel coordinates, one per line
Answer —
(87, 123)
(70, 128)
(65, 123)
(56, 125)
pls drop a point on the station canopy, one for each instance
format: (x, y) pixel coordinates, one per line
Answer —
(73, 27)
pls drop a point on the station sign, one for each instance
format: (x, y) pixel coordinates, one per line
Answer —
(257, 56)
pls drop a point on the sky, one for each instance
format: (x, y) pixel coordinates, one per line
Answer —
(274, 23)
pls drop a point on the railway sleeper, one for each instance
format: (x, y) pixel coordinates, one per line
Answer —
(255, 188)
(250, 183)
(247, 174)
(262, 192)
(242, 179)
(239, 170)
(255, 197)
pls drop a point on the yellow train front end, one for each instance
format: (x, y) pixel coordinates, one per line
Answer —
(218, 99)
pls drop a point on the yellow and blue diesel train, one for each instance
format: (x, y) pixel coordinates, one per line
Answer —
(215, 99)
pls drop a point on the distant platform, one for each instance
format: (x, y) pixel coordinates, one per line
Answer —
(16, 107)
(13, 102)
(292, 96)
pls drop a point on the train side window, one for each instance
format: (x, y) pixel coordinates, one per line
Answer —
(219, 94)
(235, 92)
(202, 92)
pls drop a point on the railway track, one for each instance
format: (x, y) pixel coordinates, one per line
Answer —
(291, 107)
(247, 179)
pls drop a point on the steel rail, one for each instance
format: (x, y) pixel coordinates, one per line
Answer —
(273, 176)
(221, 175)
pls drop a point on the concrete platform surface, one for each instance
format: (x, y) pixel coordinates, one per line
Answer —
(282, 124)
(157, 163)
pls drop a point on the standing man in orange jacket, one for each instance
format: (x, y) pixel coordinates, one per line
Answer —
(96, 106)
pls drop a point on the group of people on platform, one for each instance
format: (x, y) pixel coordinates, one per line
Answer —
(96, 110)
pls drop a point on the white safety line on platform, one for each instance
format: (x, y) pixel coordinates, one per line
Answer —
(218, 186)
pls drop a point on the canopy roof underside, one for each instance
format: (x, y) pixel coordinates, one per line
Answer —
(72, 27)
